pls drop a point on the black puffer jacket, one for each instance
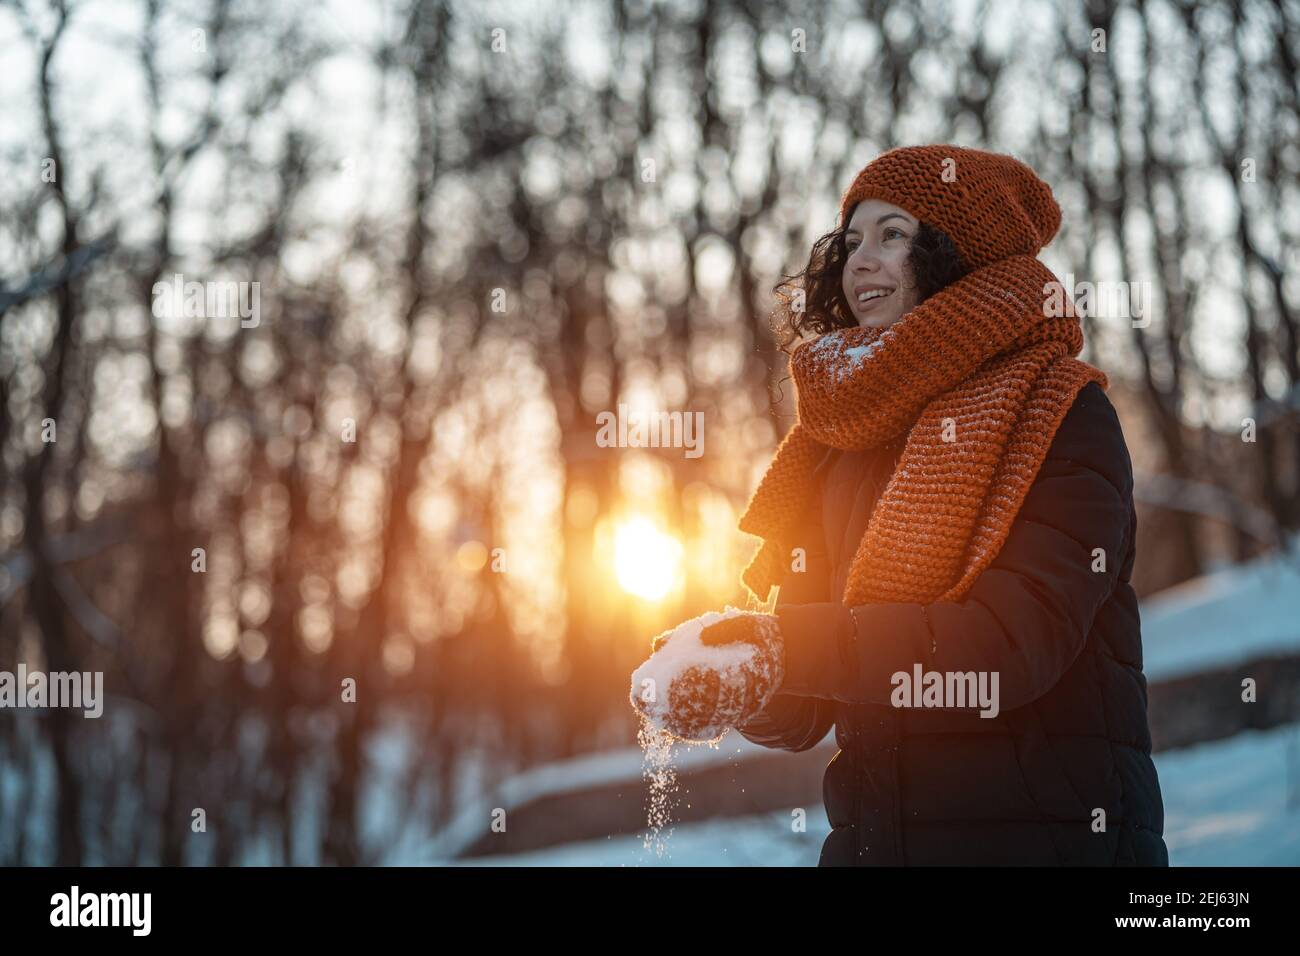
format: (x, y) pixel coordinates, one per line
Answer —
(917, 786)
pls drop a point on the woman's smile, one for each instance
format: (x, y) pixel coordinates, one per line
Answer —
(868, 298)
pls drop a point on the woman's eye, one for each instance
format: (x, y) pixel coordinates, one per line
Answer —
(895, 231)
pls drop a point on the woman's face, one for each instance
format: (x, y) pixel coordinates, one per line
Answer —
(877, 281)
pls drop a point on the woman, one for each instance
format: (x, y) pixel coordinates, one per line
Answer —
(951, 526)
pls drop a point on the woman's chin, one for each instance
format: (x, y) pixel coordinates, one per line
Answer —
(877, 321)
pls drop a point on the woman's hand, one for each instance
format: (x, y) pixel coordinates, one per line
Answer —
(730, 630)
(748, 628)
(703, 701)
(763, 633)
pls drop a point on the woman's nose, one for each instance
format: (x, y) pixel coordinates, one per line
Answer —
(865, 260)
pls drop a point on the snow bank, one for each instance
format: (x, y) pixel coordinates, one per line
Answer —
(1227, 617)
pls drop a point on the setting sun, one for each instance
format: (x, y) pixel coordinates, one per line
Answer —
(646, 560)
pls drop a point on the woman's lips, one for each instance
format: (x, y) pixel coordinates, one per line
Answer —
(872, 302)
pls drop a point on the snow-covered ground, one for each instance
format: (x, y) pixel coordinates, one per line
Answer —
(1234, 802)
(621, 765)
(1226, 617)
(1225, 805)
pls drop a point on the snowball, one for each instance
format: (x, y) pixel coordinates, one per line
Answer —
(684, 650)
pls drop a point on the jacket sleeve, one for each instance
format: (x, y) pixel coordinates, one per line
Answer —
(1026, 617)
(797, 722)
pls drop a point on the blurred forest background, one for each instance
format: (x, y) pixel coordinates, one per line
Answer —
(474, 227)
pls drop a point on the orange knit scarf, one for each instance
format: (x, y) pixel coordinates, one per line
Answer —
(982, 374)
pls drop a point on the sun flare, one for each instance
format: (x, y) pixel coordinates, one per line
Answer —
(646, 560)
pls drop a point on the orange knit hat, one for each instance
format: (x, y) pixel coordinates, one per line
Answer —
(992, 206)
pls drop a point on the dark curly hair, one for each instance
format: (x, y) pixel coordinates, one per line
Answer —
(933, 261)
